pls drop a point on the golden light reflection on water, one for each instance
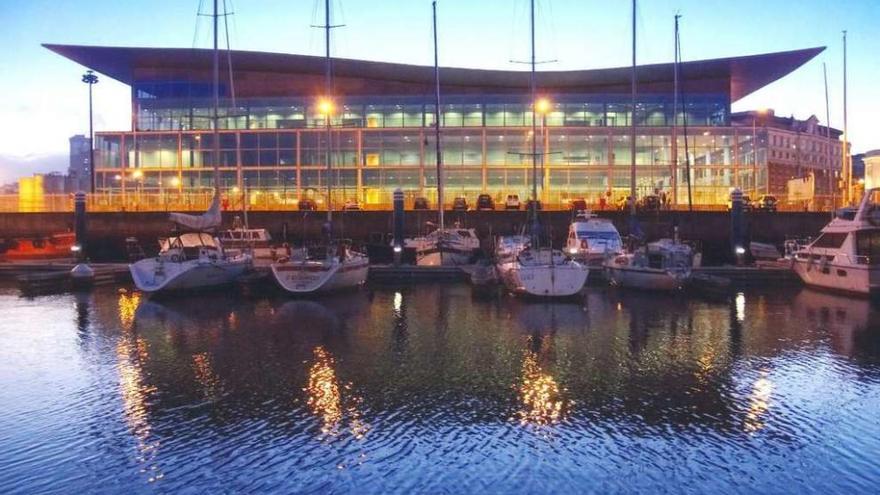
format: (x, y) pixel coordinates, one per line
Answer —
(740, 303)
(759, 404)
(205, 375)
(329, 401)
(540, 395)
(132, 352)
(398, 303)
(128, 305)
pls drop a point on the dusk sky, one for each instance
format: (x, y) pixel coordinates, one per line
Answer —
(44, 101)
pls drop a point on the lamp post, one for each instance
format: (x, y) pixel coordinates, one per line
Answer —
(91, 79)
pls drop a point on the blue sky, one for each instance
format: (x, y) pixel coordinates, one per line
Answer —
(44, 103)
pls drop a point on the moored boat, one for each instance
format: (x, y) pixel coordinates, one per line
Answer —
(339, 269)
(661, 265)
(544, 272)
(846, 255)
(56, 246)
(592, 239)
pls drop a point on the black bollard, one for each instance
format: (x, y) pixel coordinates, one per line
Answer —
(737, 230)
(398, 225)
(80, 225)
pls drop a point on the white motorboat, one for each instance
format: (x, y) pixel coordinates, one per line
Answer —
(591, 240)
(337, 270)
(189, 261)
(446, 247)
(846, 256)
(661, 265)
(543, 272)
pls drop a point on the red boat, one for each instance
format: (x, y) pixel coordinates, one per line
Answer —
(56, 246)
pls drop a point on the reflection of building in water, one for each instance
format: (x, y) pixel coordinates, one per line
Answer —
(128, 305)
(132, 352)
(759, 403)
(326, 398)
(540, 395)
(205, 375)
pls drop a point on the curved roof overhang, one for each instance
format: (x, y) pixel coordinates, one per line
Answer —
(279, 74)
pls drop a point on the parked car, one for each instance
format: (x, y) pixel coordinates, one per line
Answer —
(650, 202)
(746, 204)
(512, 202)
(485, 202)
(421, 204)
(766, 203)
(577, 204)
(460, 204)
(529, 205)
(351, 205)
(307, 204)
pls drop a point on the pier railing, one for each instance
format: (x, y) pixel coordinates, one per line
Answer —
(199, 201)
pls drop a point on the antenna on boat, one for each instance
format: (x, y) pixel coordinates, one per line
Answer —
(214, 116)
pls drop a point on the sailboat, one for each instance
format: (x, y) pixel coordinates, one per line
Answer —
(338, 266)
(195, 259)
(442, 246)
(533, 270)
(662, 265)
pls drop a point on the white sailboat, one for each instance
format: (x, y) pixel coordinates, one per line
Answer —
(662, 265)
(338, 266)
(196, 259)
(535, 270)
(846, 256)
(443, 246)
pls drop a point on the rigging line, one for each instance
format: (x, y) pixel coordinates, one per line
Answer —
(229, 54)
(198, 22)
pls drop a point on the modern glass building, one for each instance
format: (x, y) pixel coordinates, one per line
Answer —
(273, 139)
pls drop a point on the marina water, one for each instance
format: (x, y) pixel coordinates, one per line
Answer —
(430, 389)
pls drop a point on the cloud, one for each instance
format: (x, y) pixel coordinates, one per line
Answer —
(12, 167)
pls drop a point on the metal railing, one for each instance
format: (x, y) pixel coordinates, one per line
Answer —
(261, 201)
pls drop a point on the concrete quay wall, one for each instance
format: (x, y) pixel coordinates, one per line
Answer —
(107, 231)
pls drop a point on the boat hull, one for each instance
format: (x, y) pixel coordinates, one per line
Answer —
(448, 258)
(863, 280)
(152, 276)
(545, 280)
(644, 278)
(314, 277)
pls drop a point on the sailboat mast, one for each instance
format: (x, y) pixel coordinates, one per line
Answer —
(675, 111)
(328, 81)
(437, 122)
(632, 144)
(215, 119)
(534, 91)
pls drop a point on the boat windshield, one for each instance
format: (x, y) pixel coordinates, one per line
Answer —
(592, 235)
(189, 240)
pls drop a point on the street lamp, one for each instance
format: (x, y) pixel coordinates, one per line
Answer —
(91, 79)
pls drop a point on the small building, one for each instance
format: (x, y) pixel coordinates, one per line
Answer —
(78, 171)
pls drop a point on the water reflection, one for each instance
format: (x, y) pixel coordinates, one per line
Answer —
(539, 393)
(759, 404)
(132, 352)
(329, 401)
(128, 304)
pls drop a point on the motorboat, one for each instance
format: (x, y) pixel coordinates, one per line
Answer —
(543, 272)
(445, 247)
(846, 255)
(662, 265)
(337, 268)
(192, 260)
(592, 239)
(56, 246)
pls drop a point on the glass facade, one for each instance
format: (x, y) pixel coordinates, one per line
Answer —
(279, 148)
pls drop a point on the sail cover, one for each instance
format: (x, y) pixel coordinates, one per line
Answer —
(206, 221)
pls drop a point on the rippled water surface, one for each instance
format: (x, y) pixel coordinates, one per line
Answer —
(428, 389)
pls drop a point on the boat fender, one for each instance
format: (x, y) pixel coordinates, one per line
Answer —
(583, 244)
